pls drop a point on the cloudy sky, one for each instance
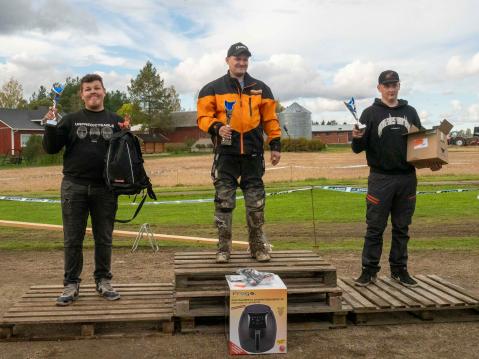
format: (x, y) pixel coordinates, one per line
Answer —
(317, 53)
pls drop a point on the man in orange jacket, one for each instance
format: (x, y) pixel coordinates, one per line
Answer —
(236, 110)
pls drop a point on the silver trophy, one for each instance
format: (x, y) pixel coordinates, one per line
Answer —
(229, 112)
(57, 90)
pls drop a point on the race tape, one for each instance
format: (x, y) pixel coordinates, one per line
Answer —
(25, 199)
(344, 189)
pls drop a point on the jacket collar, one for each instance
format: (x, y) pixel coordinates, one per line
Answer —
(248, 80)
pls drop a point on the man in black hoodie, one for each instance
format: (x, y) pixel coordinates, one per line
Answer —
(392, 180)
(85, 135)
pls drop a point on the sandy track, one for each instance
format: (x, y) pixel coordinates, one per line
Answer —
(195, 170)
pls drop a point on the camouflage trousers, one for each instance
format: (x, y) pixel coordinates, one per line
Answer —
(249, 169)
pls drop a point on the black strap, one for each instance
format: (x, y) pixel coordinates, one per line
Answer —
(215, 156)
(150, 192)
(136, 212)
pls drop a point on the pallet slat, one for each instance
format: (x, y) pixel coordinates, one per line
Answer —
(139, 303)
(448, 290)
(278, 270)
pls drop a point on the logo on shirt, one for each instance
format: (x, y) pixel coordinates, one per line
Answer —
(94, 131)
(393, 121)
(82, 132)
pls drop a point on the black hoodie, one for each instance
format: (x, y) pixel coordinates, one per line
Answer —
(383, 140)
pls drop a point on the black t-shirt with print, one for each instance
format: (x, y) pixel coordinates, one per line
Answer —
(85, 135)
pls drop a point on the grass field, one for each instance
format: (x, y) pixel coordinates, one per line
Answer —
(441, 221)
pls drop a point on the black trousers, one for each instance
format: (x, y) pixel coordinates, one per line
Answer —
(79, 201)
(395, 195)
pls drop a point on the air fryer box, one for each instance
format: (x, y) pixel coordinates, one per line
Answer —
(425, 147)
(258, 317)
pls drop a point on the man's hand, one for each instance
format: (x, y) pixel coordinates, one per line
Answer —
(126, 124)
(225, 132)
(275, 157)
(435, 166)
(51, 115)
(357, 133)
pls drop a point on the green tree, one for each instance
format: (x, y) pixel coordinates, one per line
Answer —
(114, 100)
(157, 101)
(11, 95)
(134, 111)
(39, 100)
(70, 99)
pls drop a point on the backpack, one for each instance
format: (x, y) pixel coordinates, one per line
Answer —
(124, 171)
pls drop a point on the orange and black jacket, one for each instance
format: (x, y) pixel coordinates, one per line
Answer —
(253, 113)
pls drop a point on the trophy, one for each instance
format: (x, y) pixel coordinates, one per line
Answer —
(57, 90)
(229, 112)
(351, 105)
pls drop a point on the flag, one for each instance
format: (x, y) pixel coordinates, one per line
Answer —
(351, 105)
(57, 90)
(229, 105)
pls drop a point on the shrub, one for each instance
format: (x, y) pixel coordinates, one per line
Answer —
(300, 145)
(33, 153)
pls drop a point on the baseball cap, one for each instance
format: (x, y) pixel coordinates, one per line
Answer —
(238, 49)
(388, 76)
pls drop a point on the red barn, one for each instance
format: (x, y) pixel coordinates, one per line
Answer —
(17, 126)
(333, 134)
(152, 143)
(185, 128)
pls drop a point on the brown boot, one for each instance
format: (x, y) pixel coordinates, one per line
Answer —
(223, 223)
(262, 256)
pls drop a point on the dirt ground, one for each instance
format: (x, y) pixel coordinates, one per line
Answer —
(172, 171)
(21, 269)
(400, 341)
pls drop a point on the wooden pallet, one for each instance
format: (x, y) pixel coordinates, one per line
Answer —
(139, 303)
(201, 289)
(388, 302)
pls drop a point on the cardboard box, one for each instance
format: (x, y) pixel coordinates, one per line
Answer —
(425, 147)
(258, 317)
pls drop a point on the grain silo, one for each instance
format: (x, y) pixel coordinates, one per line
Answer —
(297, 120)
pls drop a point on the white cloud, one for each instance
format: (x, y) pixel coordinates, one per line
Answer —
(46, 16)
(318, 52)
(191, 74)
(456, 105)
(423, 115)
(317, 105)
(289, 75)
(473, 114)
(457, 67)
(357, 79)
(115, 81)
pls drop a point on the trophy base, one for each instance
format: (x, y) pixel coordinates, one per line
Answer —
(51, 122)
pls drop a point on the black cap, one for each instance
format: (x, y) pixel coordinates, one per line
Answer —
(238, 49)
(388, 76)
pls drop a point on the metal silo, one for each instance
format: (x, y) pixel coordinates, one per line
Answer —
(297, 120)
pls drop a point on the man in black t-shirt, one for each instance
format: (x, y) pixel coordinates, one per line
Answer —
(392, 180)
(85, 135)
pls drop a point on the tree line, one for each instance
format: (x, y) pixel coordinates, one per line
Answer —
(148, 100)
